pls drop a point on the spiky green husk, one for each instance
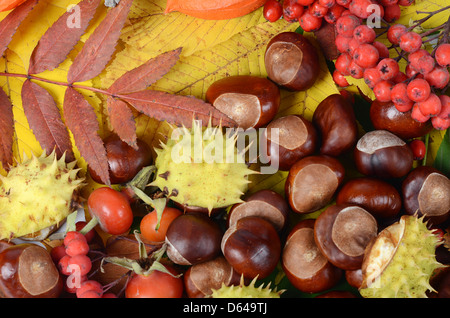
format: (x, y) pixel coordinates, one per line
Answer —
(408, 272)
(243, 291)
(192, 178)
(36, 194)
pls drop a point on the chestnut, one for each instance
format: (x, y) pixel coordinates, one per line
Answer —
(382, 154)
(201, 279)
(342, 233)
(312, 182)
(337, 294)
(124, 160)
(384, 116)
(426, 192)
(303, 263)
(250, 101)
(335, 120)
(354, 278)
(193, 238)
(292, 61)
(27, 271)
(252, 247)
(266, 204)
(289, 139)
(377, 196)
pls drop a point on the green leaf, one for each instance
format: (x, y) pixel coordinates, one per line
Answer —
(442, 160)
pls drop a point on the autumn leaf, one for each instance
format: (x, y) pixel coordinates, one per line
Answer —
(100, 46)
(82, 122)
(45, 120)
(122, 120)
(6, 130)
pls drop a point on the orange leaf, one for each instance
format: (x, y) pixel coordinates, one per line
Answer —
(82, 121)
(122, 120)
(45, 120)
(6, 130)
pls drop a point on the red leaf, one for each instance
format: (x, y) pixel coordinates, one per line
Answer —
(176, 109)
(60, 38)
(145, 75)
(100, 46)
(45, 120)
(6, 130)
(122, 120)
(82, 121)
(9, 25)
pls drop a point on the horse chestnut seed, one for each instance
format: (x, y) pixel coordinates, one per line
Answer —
(193, 238)
(292, 61)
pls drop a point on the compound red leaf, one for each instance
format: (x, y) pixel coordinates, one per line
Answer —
(61, 37)
(82, 121)
(6, 131)
(11, 22)
(45, 120)
(176, 109)
(145, 75)
(122, 120)
(100, 46)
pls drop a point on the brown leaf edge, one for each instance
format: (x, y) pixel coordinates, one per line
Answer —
(45, 121)
(122, 120)
(83, 123)
(6, 131)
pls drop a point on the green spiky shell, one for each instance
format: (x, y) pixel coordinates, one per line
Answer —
(36, 194)
(199, 181)
(243, 291)
(408, 273)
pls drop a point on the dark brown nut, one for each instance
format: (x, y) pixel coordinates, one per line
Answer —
(289, 139)
(250, 101)
(382, 154)
(303, 263)
(266, 204)
(335, 119)
(28, 271)
(385, 116)
(342, 233)
(252, 247)
(292, 61)
(201, 279)
(312, 183)
(354, 278)
(337, 294)
(378, 197)
(426, 192)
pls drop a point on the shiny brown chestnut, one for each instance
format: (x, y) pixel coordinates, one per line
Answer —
(252, 247)
(335, 119)
(193, 238)
(354, 278)
(377, 196)
(382, 154)
(27, 271)
(312, 182)
(266, 204)
(250, 101)
(289, 139)
(201, 279)
(303, 263)
(292, 61)
(426, 192)
(342, 233)
(124, 161)
(384, 116)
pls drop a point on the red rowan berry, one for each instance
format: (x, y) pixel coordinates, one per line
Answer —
(346, 24)
(339, 79)
(388, 68)
(418, 90)
(440, 123)
(366, 55)
(334, 13)
(431, 106)
(442, 54)
(371, 76)
(273, 10)
(342, 63)
(77, 247)
(392, 13)
(400, 97)
(382, 90)
(364, 34)
(383, 51)
(410, 42)
(445, 111)
(417, 115)
(418, 149)
(395, 32)
(79, 264)
(439, 77)
(310, 23)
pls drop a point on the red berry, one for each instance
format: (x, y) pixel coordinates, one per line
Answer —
(109, 295)
(439, 77)
(366, 55)
(418, 90)
(372, 76)
(364, 34)
(405, 3)
(89, 286)
(89, 235)
(344, 3)
(63, 265)
(445, 111)
(77, 247)
(382, 91)
(334, 13)
(418, 149)
(73, 282)
(392, 13)
(272, 11)
(317, 9)
(342, 43)
(362, 8)
(410, 42)
(399, 97)
(421, 61)
(388, 68)
(356, 71)
(57, 253)
(431, 106)
(400, 77)
(346, 24)
(387, 2)
(410, 72)
(309, 23)
(340, 79)
(305, 2)
(383, 51)
(442, 54)
(395, 32)
(417, 115)
(440, 123)
(328, 3)
(292, 11)
(79, 265)
(70, 235)
(342, 63)
(353, 44)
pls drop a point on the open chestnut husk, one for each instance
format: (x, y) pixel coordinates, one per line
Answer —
(335, 119)
(342, 232)
(289, 139)
(27, 271)
(382, 154)
(266, 204)
(377, 196)
(252, 247)
(426, 192)
(304, 264)
(312, 182)
(250, 101)
(292, 61)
